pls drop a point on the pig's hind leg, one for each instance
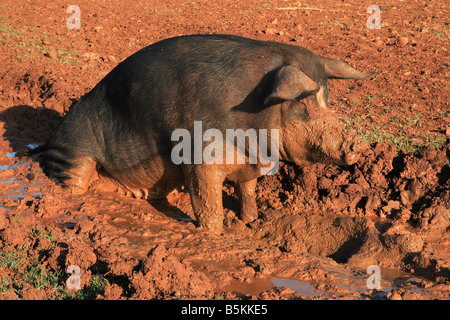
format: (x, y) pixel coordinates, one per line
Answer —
(76, 172)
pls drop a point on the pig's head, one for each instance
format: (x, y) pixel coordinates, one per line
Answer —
(309, 131)
(320, 137)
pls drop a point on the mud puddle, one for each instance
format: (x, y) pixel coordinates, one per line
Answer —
(301, 287)
(17, 186)
(257, 286)
(337, 284)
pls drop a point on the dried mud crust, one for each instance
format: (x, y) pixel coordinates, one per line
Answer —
(322, 225)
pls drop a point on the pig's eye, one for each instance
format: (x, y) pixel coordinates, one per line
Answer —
(297, 111)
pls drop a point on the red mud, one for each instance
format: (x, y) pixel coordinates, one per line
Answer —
(319, 227)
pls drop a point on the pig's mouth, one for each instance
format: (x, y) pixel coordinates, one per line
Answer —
(340, 157)
(317, 154)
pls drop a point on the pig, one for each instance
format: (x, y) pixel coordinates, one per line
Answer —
(123, 127)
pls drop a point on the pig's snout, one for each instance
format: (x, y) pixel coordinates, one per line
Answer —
(354, 150)
(332, 143)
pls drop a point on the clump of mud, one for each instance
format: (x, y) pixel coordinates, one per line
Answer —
(33, 262)
(380, 184)
(34, 88)
(163, 276)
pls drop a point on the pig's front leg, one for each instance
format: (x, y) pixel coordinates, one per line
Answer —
(204, 183)
(245, 192)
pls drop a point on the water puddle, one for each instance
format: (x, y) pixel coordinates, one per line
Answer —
(5, 167)
(9, 181)
(18, 189)
(253, 287)
(391, 279)
(12, 187)
(256, 286)
(301, 287)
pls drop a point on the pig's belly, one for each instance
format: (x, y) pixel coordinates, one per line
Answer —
(151, 179)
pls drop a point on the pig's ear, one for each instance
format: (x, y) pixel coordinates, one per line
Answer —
(290, 84)
(336, 69)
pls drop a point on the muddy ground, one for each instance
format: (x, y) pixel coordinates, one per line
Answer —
(319, 227)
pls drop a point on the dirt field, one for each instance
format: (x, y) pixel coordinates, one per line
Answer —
(319, 227)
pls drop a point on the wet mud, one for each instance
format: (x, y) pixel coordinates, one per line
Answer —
(319, 227)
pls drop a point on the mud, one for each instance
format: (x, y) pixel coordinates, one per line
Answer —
(319, 227)
(382, 210)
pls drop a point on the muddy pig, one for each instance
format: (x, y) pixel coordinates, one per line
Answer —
(124, 127)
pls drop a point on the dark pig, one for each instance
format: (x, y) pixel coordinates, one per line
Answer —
(124, 126)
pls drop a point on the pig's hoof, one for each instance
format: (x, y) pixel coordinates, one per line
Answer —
(211, 227)
(249, 216)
